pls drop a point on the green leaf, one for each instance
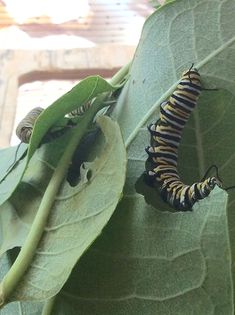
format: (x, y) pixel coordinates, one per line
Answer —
(76, 218)
(22, 308)
(14, 236)
(84, 91)
(10, 175)
(9, 157)
(15, 212)
(153, 262)
(17, 308)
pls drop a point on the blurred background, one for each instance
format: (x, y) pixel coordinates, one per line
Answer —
(47, 46)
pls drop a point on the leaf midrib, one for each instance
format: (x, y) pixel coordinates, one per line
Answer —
(199, 144)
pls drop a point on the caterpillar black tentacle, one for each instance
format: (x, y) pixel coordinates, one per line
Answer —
(213, 166)
(230, 187)
(165, 139)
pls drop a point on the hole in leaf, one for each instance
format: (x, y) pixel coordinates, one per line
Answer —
(13, 253)
(89, 174)
(82, 153)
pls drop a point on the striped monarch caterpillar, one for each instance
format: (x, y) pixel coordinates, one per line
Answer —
(165, 138)
(25, 127)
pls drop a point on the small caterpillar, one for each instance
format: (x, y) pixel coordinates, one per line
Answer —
(80, 110)
(25, 127)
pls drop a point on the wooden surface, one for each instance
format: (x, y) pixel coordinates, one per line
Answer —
(107, 21)
(36, 48)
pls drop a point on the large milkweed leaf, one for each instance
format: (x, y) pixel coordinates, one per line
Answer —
(145, 265)
(162, 263)
(83, 92)
(15, 216)
(77, 217)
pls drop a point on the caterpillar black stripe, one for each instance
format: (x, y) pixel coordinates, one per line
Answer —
(80, 110)
(165, 139)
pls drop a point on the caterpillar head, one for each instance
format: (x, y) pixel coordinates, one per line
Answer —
(192, 75)
(213, 181)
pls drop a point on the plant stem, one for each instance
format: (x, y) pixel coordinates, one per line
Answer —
(27, 252)
(120, 75)
(28, 249)
(48, 306)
